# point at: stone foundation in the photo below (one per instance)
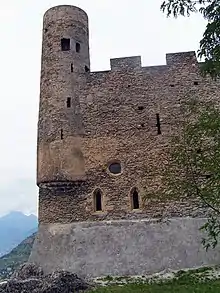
(119, 248)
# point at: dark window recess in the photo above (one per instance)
(86, 69)
(65, 44)
(140, 108)
(129, 85)
(78, 47)
(135, 199)
(171, 85)
(208, 176)
(71, 67)
(98, 200)
(68, 102)
(61, 134)
(115, 168)
(46, 30)
(158, 124)
(142, 125)
(199, 151)
(196, 82)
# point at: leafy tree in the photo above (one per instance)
(210, 43)
(194, 166)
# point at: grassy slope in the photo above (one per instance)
(194, 281)
(170, 287)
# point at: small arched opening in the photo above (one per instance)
(98, 200)
(135, 202)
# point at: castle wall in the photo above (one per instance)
(116, 129)
(88, 120)
(120, 248)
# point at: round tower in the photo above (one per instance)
(65, 61)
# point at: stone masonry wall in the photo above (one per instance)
(122, 248)
(118, 109)
(59, 127)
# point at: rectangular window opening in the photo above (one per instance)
(68, 102)
(78, 47)
(158, 124)
(98, 202)
(61, 134)
(71, 67)
(135, 200)
(65, 44)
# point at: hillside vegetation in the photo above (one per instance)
(18, 256)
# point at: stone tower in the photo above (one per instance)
(65, 55)
(102, 140)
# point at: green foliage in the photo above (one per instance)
(210, 43)
(180, 286)
(212, 229)
(19, 255)
(192, 168)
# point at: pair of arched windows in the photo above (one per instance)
(98, 199)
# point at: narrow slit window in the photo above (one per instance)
(65, 44)
(71, 67)
(98, 200)
(78, 47)
(158, 124)
(68, 102)
(135, 199)
(61, 133)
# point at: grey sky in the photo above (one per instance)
(117, 28)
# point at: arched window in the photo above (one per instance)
(135, 199)
(97, 200)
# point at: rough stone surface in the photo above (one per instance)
(120, 248)
(30, 278)
(27, 271)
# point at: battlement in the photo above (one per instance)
(133, 62)
(172, 59)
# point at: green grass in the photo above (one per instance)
(168, 287)
(193, 281)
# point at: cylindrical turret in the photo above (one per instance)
(65, 59)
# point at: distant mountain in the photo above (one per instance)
(19, 255)
(14, 228)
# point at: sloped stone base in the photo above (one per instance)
(119, 248)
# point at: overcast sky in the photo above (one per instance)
(117, 28)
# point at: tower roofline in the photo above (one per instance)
(60, 7)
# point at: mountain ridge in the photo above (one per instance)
(14, 228)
